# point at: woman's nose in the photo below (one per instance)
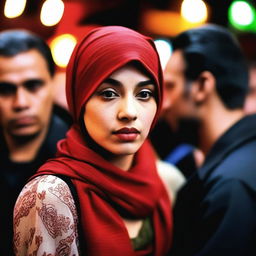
(127, 110)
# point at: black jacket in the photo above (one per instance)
(215, 212)
(13, 176)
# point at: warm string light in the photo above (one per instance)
(194, 11)
(14, 8)
(61, 48)
(51, 12)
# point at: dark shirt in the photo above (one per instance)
(215, 212)
(176, 148)
(13, 177)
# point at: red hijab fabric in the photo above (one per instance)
(102, 52)
(106, 192)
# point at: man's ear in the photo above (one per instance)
(203, 86)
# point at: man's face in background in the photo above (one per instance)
(26, 96)
(179, 109)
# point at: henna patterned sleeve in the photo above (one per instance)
(45, 219)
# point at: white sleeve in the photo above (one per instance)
(172, 178)
(45, 219)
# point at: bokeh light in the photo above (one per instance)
(61, 48)
(194, 11)
(51, 12)
(14, 8)
(164, 50)
(242, 15)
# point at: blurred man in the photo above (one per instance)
(206, 80)
(250, 102)
(29, 128)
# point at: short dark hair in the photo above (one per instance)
(15, 41)
(213, 48)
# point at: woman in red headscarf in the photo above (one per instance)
(102, 194)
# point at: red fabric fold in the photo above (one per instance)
(106, 193)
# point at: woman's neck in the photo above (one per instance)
(123, 162)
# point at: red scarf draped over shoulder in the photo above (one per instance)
(105, 192)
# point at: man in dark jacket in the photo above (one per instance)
(29, 125)
(207, 81)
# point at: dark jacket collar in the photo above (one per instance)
(240, 133)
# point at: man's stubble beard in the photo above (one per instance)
(21, 139)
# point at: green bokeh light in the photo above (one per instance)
(242, 16)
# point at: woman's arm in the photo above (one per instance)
(45, 219)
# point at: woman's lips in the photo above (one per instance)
(127, 134)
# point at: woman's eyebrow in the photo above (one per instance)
(112, 82)
(146, 82)
(117, 83)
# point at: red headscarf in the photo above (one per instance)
(105, 192)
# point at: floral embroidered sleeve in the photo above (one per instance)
(45, 219)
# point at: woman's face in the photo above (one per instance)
(118, 116)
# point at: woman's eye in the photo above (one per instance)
(108, 94)
(145, 94)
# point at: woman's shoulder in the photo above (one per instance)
(45, 210)
(49, 190)
(53, 186)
